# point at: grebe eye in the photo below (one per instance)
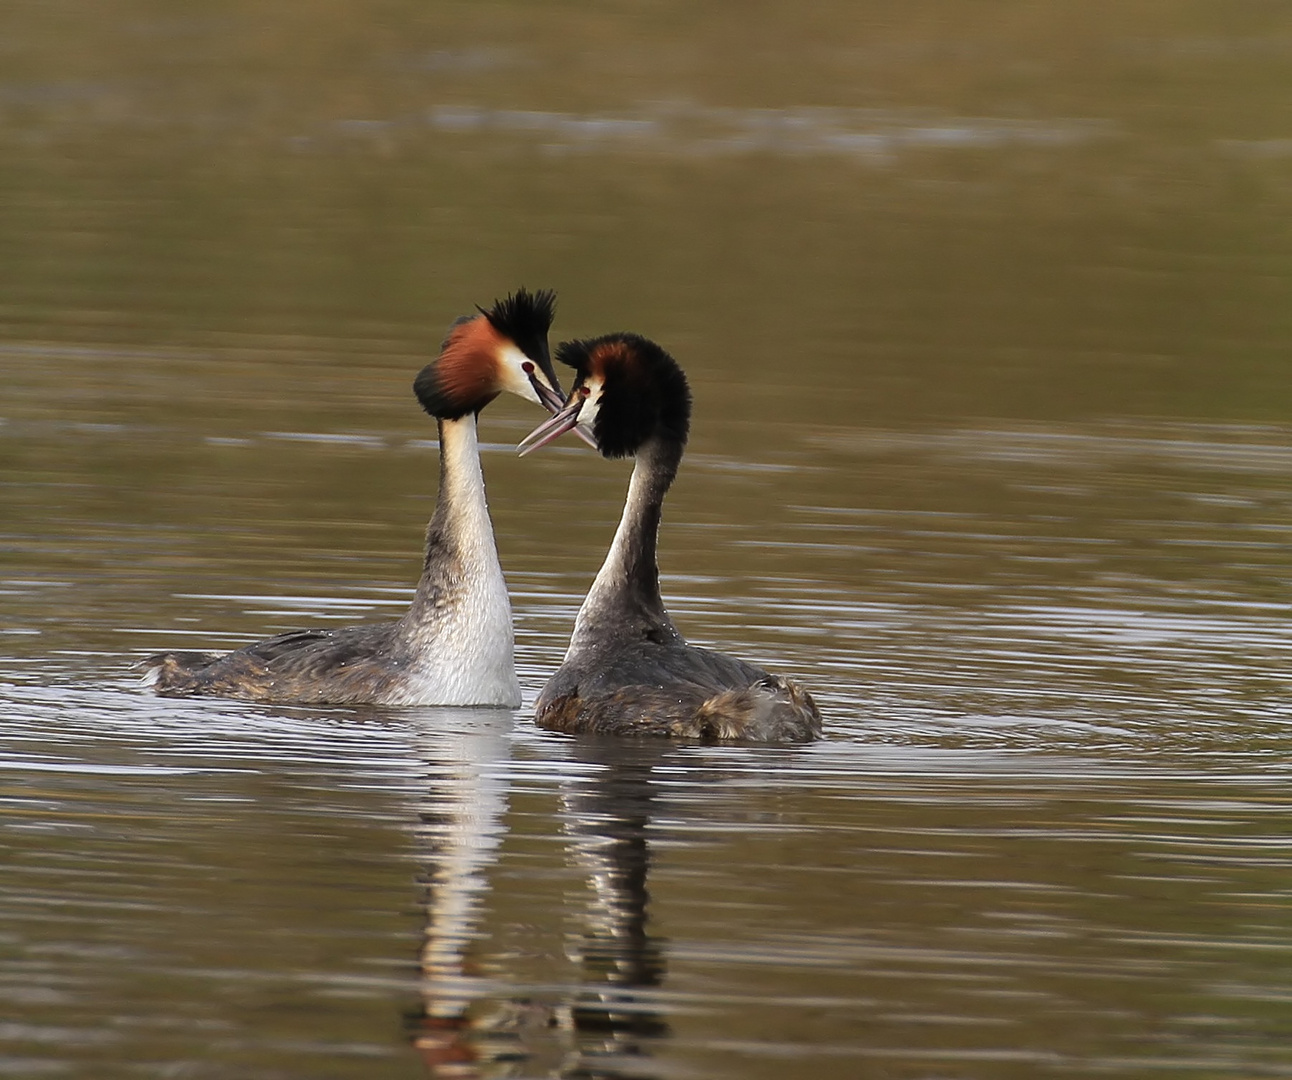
(527, 368)
(584, 391)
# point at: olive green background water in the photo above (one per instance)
(986, 308)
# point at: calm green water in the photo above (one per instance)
(987, 312)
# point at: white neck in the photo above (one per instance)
(611, 579)
(625, 598)
(462, 490)
(459, 625)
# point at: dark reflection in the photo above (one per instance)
(601, 1025)
(607, 819)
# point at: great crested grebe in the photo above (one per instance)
(627, 670)
(454, 645)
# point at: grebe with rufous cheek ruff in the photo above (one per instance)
(454, 645)
(627, 670)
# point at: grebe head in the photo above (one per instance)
(502, 348)
(627, 390)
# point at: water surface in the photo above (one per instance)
(986, 320)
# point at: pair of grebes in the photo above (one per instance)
(627, 670)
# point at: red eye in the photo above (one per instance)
(584, 391)
(527, 368)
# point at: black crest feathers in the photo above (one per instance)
(525, 317)
(645, 392)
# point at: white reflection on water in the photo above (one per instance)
(1255, 448)
(677, 128)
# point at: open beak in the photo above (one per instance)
(563, 419)
(551, 399)
(554, 403)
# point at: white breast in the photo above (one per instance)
(464, 653)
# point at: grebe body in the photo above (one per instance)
(628, 671)
(454, 645)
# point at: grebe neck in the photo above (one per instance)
(462, 509)
(624, 601)
(459, 537)
(457, 635)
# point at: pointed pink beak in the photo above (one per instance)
(563, 420)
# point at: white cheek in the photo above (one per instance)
(512, 362)
(591, 403)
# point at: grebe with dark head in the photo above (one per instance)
(454, 645)
(627, 670)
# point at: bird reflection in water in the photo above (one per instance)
(461, 829)
(471, 1027)
(607, 820)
